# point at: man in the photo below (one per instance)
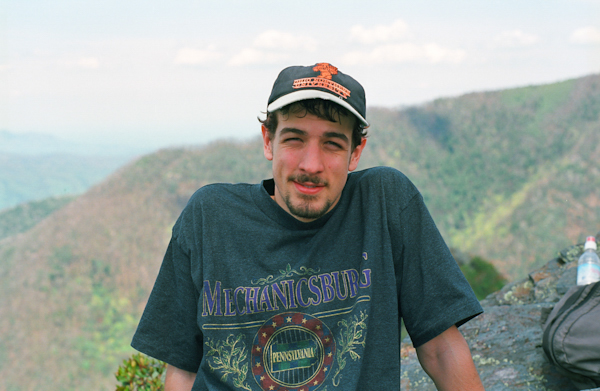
(299, 283)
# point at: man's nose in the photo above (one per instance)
(312, 159)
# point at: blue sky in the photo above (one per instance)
(156, 73)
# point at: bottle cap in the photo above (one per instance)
(590, 242)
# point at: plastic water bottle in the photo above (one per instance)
(588, 267)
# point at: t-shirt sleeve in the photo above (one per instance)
(433, 293)
(168, 329)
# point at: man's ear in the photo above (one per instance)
(267, 143)
(355, 157)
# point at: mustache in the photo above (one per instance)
(303, 178)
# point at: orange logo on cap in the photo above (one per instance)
(327, 70)
(323, 80)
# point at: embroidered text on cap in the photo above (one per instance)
(323, 80)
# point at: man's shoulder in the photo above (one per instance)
(217, 203)
(383, 187)
(380, 172)
(221, 192)
(386, 179)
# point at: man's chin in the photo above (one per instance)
(308, 212)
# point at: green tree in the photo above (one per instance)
(483, 277)
(141, 373)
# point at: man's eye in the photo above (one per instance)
(334, 145)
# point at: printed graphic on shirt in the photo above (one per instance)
(277, 293)
(229, 358)
(292, 351)
(286, 273)
(352, 335)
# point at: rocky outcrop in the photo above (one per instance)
(506, 340)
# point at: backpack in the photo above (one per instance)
(571, 338)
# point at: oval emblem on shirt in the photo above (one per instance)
(292, 351)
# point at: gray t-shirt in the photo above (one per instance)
(251, 298)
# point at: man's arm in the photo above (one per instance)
(447, 360)
(178, 380)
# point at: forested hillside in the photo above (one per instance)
(21, 218)
(74, 285)
(509, 175)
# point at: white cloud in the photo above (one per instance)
(279, 40)
(515, 38)
(380, 34)
(251, 56)
(87, 63)
(389, 44)
(586, 35)
(191, 56)
(406, 53)
(273, 46)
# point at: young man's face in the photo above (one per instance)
(311, 158)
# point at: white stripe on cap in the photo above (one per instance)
(313, 94)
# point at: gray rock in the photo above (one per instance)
(506, 340)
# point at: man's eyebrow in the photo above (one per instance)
(301, 132)
(293, 130)
(339, 135)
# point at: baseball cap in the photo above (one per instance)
(319, 81)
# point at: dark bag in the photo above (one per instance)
(571, 338)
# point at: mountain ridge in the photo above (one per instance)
(495, 169)
(25, 178)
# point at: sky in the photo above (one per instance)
(158, 73)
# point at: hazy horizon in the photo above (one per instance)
(153, 74)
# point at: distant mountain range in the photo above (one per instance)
(36, 144)
(36, 166)
(508, 175)
(25, 178)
